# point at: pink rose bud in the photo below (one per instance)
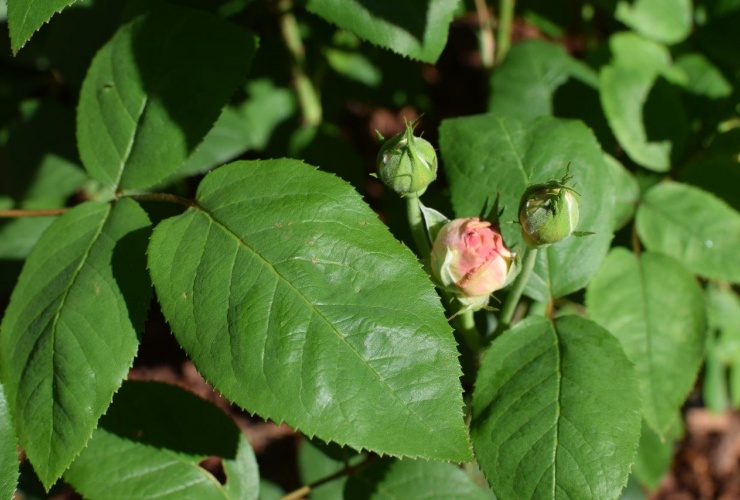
(470, 259)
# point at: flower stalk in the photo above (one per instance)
(517, 288)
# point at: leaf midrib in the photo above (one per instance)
(556, 423)
(53, 323)
(312, 307)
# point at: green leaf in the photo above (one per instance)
(434, 221)
(413, 479)
(626, 192)
(694, 227)
(354, 66)
(667, 21)
(241, 127)
(655, 454)
(555, 411)
(643, 110)
(414, 29)
(8, 452)
(69, 335)
(486, 154)
(524, 86)
(150, 443)
(655, 308)
(704, 78)
(25, 17)
(145, 105)
(283, 277)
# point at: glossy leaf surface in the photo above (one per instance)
(655, 308)
(485, 154)
(150, 444)
(295, 302)
(70, 332)
(555, 411)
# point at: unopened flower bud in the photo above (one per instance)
(407, 164)
(469, 258)
(548, 213)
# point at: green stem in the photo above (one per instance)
(505, 21)
(465, 325)
(308, 96)
(512, 300)
(418, 228)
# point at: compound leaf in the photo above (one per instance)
(297, 304)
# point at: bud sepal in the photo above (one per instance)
(406, 163)
(549, 212)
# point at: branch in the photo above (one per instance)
(167, 197)
(17, 213)
(305, 490)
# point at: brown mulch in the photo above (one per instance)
(707, 463)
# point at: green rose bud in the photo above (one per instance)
(548, 212)
(407, 164)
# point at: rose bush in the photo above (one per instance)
(469, 258)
